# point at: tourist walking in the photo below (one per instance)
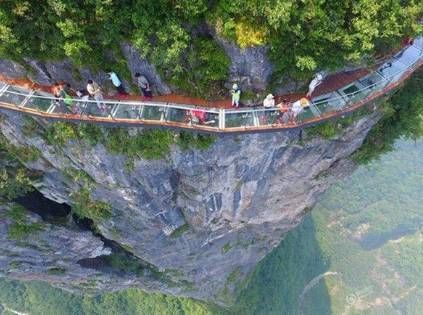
(95, 91)
(236, 95)
(318, 79)
(143, 85)
(67, 99)
(117, 83)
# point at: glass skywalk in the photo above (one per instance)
(188, 116)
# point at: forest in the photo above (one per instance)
(178, 36)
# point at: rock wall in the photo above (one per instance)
(48, 72)
(202, 218)
(250, 67)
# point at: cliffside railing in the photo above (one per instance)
(246, 120)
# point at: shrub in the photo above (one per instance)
(187, 140)
(84, 207)
(59, 133)
(14, 183)
(20, 227)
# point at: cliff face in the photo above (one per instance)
(202, 218)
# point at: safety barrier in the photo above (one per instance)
(188, 116)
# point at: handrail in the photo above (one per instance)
(174, 115)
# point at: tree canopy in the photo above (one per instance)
(302, 35)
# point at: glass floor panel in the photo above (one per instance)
(212, 120)
(128, 111)
(418, 42)
(305, 114)
(233, 119)
(354, 92)
(15, 99)
(268, 117)
(409, 56)
(392, 70)
(373, 81)
(153, 112)
(329, 102)
(178, 115)
(41, 104)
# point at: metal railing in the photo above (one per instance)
(188, 116)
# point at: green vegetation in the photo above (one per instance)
(332, 128)
(59, 133)
(56, 271)
(307, 35)
(39, 298)
(20, 227)
(403, 117)
(14, 183)
(226, 248)
(15, 180)
(180, 230)
(147, 143)
(21, 153)
(84, 207)
(30, 127)
(302, 35)
(78, 176)
(188, 140)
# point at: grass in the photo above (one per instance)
(180, 230)
(226, 248)
(150, 144)
(20, 227)
(84, 207)
(56, 271)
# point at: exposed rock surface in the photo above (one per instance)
(250, 67)
(11, 69)
(238, 199)
(48, 72)
(138, 64)
(46, 252)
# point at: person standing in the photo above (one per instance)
(67, 99)
(144, 85)
(269, 101)
(117, 83)
(95, 91)
(236, 95)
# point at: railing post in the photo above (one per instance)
(163, 117)
(256, 120)
(3, 89)
(26, 99)
(222, 115)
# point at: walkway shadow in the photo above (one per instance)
(277, 283)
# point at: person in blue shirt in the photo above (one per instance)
(117, 83)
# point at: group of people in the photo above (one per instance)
(286, 108)
(65, 98)
(64, 93)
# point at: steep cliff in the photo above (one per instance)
(199, 220)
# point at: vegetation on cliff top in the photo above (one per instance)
(302, 35)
